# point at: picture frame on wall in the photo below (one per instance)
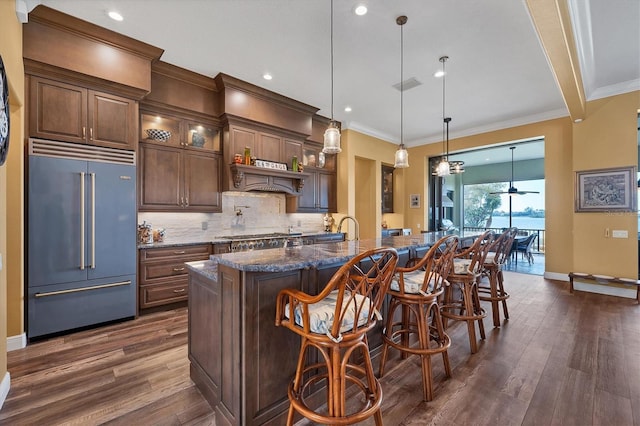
(414, 201)
(606, 190)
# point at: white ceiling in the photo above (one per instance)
(497, 75)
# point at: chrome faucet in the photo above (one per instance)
(355, 221)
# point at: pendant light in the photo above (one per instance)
(402, 156)
(446, 167)
(332, 134)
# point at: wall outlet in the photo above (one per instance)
(205, 226)
(418, 225)
(618, 233)
(0, 261)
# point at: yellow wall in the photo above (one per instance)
(361, 161)
(574, 241)
(607, 138)
(11, 184)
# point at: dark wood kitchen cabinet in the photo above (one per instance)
(263, 145)
(180, 173)
(67, 112)
(319, 194)
(163, 276)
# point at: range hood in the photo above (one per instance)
(253, 178)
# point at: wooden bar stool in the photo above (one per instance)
(415, 290)
(336, 322)
(496, 258)
(467, 267)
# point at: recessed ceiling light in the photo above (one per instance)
(115, 16)
(438, 74)
(347, 109)
(267, 76)
(361, 10)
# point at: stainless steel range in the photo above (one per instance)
(263, 241)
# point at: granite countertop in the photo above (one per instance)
(291, 258)
(216, 240)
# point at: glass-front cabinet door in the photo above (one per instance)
(314, 157)
(178, 132)
(161, 129)
(202, 136)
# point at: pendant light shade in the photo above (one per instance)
(446, 167)
(402, 156)
(332, 134)
(332, 139)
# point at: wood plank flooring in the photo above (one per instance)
(561, 359)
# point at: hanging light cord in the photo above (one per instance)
(331, 60)
(401, 85)
(445, 145)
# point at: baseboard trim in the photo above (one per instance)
(16, 342)
(4, 388)
(556, 276)
(628, 292)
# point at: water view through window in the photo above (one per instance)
(482, 209)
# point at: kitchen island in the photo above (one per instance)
(241, 362)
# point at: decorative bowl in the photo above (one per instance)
(197, 140)
(158, 134)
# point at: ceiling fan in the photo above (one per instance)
(512, 189)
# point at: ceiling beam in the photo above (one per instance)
(552, 22)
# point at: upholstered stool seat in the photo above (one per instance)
(467, 267)
(335, 323)
(415, 290)
(494, 291)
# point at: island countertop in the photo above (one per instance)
(316, 255)
(241, 362)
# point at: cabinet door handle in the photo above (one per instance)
(186, 201)
(84, 132)
(91, 133)
(81, 220)
(178, 269)
(179, 252)
(179, 290)
(181, 201)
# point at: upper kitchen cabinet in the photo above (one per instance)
(178, 132)
(263, 145)
(84, 81)
(319, 194)
(67, 112)
(179, 165)
(272, 126)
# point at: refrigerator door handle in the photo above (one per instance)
(93, 221)
(81, 220)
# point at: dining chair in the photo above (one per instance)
(335, 322)
(415, 290)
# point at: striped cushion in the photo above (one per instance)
(461, 266)
(412, 282)
(321, 314)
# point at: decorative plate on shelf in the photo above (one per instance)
(4, 114)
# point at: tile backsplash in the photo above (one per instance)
(242, 213)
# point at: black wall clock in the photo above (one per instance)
(4, 114)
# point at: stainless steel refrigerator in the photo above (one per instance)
(81, 236)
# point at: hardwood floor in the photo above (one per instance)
(560, 359)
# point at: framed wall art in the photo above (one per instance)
(605, 190)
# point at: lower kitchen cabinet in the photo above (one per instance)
(163, 275)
